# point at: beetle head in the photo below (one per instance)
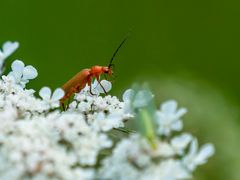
(108, 70)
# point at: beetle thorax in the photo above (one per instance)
(96, 70)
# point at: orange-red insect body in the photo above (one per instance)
(84, 77)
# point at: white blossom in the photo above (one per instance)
(136, 157)
(97, 89)
(106, 85)
(197, 157)
(136, 100)
(39, 141)
(128, 95)
(168, 118)
(179, 143)
(22, 99)
(21, 73)
(51, 99)
(7, 49)
(142, 98)
(167, 170)
(107, 122)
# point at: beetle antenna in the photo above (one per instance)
(114, 54)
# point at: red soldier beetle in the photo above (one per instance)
(85, 77)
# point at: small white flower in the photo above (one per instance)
(73, 105)
(52, 100)
(127, 99)
(168, 118)
(128, 95)
(100, 103)
(21, 73)
(142, 99)
(84, 174)
(134, 100)
(88, 147)
(84, 106)
(179, 143)
(164, 150)
(197, 157)
(7, 49)
(106, 123)
(106, 85)
(97, 88)
(167, 170)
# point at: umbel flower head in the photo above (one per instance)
(150, 155)
(39, 141)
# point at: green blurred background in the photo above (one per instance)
(187, 50)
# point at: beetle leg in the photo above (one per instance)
(91, 91)
(102, 87)
(68, 102)
(98, 79)
(90, 85)
(63, 106)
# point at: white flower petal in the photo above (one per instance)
(100, 116)
(1, 57)
(54, 104)
(169, 106)
(45, 93)
(128, 95)
(106, 85)
(181, 142)
(16, 76)
(193, 147)
(205, 152)
(9, 48)
(165, 150)
(177, 126)
(73, 105)
(18, 66)
(23, 83)
(57, 94)
(29, 72)
(181, 112)
(142, 99)
(94, 84)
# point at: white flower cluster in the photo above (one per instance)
(39, 141)
(172, 157)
